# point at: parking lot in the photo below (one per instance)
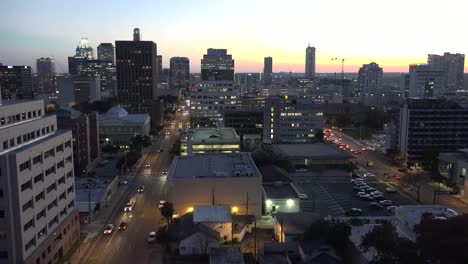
(333, 195)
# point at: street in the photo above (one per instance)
(131, 245)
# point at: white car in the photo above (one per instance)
(368, 174)
(390, 190)
(386, 202)
(152, 237)
(109, 229)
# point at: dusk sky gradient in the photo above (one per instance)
(392, 33)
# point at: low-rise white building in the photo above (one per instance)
(216, 217)
(209, 140)
(117, 126)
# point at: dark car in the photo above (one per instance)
(354, 212)
(123, 226)
(375, 205)
(141, 189)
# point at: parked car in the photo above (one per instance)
(368, 174)
(386, 202)
(378, 197)
(108, 230)
(122, 182)
(367, 198)
(391, 209)
(354, 212)
(376, 205)
(390, 190)
(151, 237)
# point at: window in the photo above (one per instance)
(39, 112)
(2, 213)
(52, 222)
(70, 189)
(41, 214)
(71, 204)
(52, 205)
(60, 164)
(49, 153)
(50, 171)
(53, 186)
(29, 114)
(12, 142)
(62, 196)
(5, 144)
(63, 212)
(38, 178)
(42, 232)
(61, 180)
(18, 140)
(40, 196)
(25, 165)
(31, 243)
(3, 254)
(52, 128)
(27, 205)
(23, 116)
(68, 144)
(69, 159)
(59, 148)
(28, 225)
(69, 174)
(2, 121)
(26, 185)
(37, 159)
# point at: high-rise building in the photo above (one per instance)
(85, 136)
(160, 68)
(105, 52)
(84, 50)
(426, 81)
(179, 74)
(40, 221)
(16, 82)
(136, 34)
(105, 71)
(137, 76)
(267, 70)
(216, 91)
(370, 84)
(310, 62)
(291, 120)
(248, 83)
(45, 66)
(74, 89)
(431, 125)
(217, 65)
(453, 66)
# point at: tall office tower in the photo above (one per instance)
(40, 221)
(291, 120)
(404, 85)
(267, 70)
(248, 83)
(431, 124)
(216, 91)
(16, 82)
(370, 84)
(160, 68)
(136, 34)
(453, 66)
(426, 81)
(105, 52)
(45, 66)
(137, 77)
(45, 81)
(179, 73)
(310, 62)
(84, 50)
(73, 89)
(103, 70)
(217, 65)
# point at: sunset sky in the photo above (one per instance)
(393, 33)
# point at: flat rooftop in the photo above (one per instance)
(90, 191)
(279, 191)
(214, 135)
(212, 214)
(312, 151)
(213, 165)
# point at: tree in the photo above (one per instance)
(443, 241)
(390, 247)
(110, 149)
(334, 232)
(167, 210)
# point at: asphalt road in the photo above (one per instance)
(130, 246)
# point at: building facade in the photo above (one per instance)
(429, 126)
(267, 70)
(453, 66)
(215, 179)
(104, 70)
(370, 84)
(78, 89)
(137, 77)
(16, 82)
(179, 74)
(45, 81)
(209, 140)
(105, 52)
(39, 222)
(426, 81)
(291, 120)
(310, 62)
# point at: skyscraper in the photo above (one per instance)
(45, 81)
(426, 81)
(136, 34)
(453, 67)
(16, 82)
(40, 220)
(179, 74)
(105, 52)
(370, 83)
(84, 49)
(310, 62)
(160, 69)
(217, 65)
(45, 66)
(137, 76)
(267, 70)
(216, 91)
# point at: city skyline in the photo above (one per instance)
(355, 31)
